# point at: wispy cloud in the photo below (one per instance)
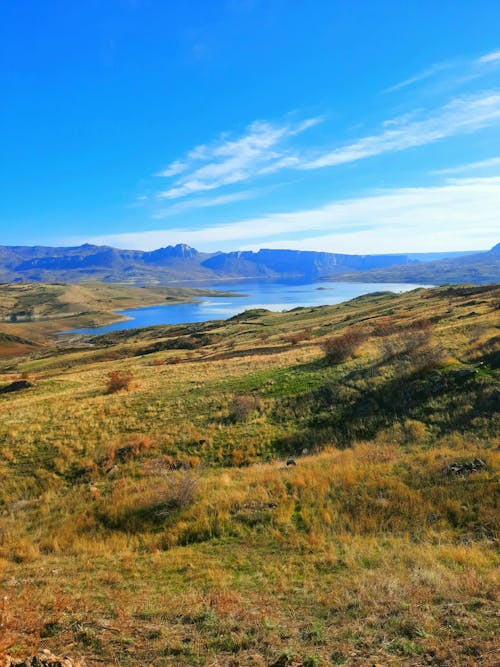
(462, 115)
(265, 148)
(455, 216)
(490, 163)
(262, 149)
(461, 70)
(205, 202)
(176, 167)
(493, 57)
(429, 72)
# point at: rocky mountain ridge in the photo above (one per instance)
(184, 263)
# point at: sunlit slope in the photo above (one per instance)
(148, 515)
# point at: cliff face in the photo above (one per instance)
(296, 263)
(183, 263)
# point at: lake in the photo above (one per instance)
(270, 295)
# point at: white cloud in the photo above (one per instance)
(174, 168)
(490, 163)
(459, 215)
(469, 69)
(262, 149)
(427, 73)
(462, 115)
(493, 57)
(205, 202)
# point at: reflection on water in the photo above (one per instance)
(272, 296)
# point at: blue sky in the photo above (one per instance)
(347, 126)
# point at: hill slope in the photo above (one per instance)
(159, 524)
(479, 269)
(37, 310)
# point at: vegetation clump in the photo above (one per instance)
(341, 347)
(242, 406)
(118, 381)
(413, 349)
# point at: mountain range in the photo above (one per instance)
(478, 268)
(181, 263)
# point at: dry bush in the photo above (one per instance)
(341, 347)
(181, 491)
(118, 380)
(428, 358)
(296, 338)
(413, 349)
(174, 360)
(141, 505)
(132, 447)
(384, 326)
(22, 550)
(242, 406)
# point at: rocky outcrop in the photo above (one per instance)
(18, 385)
(42, 659)
(464, 469)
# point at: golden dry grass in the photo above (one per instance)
(153, 526)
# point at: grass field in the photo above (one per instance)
(148, 516)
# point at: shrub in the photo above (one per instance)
(118, 380)
(296, 338)
(181, 491)
(242, 406)
(428, 358)
(132, 447)
(341, 347)
(413, 349)
(384, 326)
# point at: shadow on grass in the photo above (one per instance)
(339, 412)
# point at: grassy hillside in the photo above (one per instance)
(147, 514)
(34, 311)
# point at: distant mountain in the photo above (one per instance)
(181, 263)
(76, 264)
(480, 269)
(295, 263)
(173, 263)
(431, 256)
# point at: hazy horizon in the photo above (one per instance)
(237, 249)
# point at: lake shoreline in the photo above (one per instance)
(221, 305)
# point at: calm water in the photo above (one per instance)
(273, 296)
